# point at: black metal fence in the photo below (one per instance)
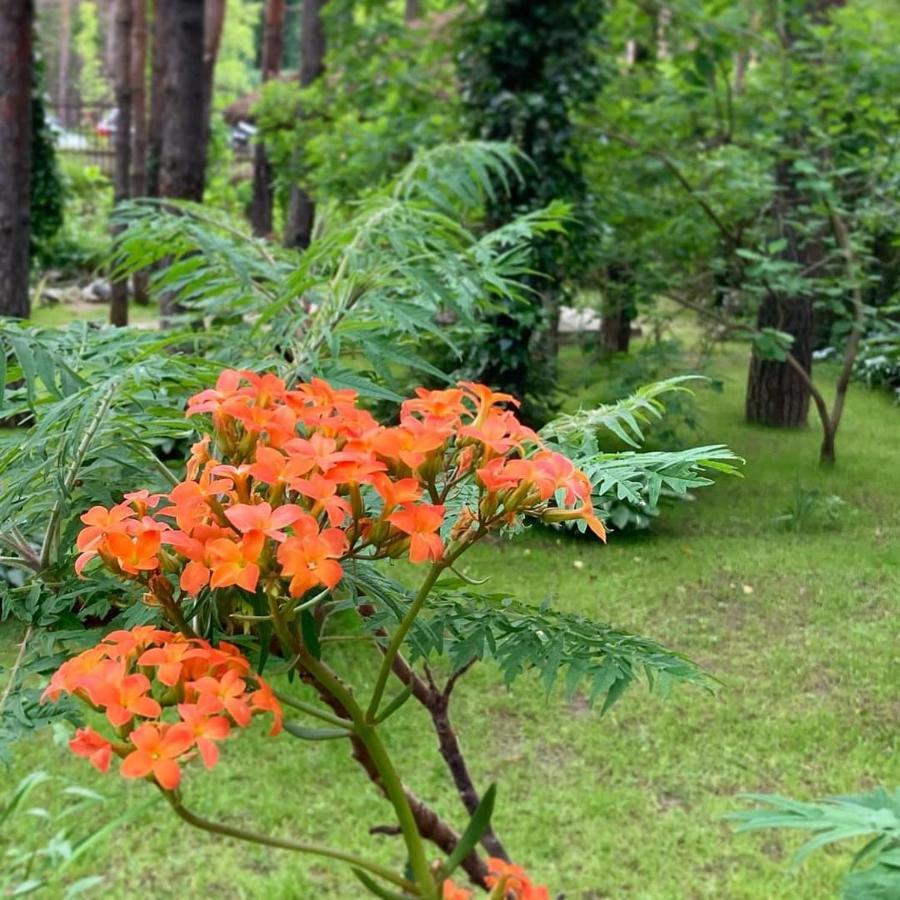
(85, 132)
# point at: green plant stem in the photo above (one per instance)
(393, 649)
(311, 710)
(390, 779)
(254, 837)
(14, 671)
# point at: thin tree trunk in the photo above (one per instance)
(118, 310)
(615, 325)
(300, 218)
(16, 72)
(139, 124)
(273, 49)
(213, 22)
(157, 94)
(63, 88)
(412, 11)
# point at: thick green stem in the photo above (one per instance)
(393, 649)
(254, 837)
(390, 779)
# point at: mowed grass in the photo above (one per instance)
(800, 627)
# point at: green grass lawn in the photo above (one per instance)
(800, 627)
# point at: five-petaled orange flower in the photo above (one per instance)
(420, 523)
(157, 747)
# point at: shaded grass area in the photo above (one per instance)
(801, 628)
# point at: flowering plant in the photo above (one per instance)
(291, 494)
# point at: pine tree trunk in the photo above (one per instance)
(301, 211)
(273, 49)
(16, 68)
(157, 96)
(118, 310)
(183, 157)
(140, 279)
(213, 23)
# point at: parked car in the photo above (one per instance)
(63, 138)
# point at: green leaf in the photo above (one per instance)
(314, 734)
(475, 830)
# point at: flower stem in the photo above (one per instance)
(254, 837)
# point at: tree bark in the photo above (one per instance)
(139, 124)
(777, 392)
(16, 69)
(118, 309)
(273, 49)
(157, 94)
(63, 88)
(412, 11)
(615, 327)
(183, 156)
(213, 22)
(301, 207)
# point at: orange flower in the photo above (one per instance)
(169, 660)
(264, 700)
(124, 697)
(406, 490)
(136, 552)
(420, 523)
(261, 518)
(312, 560)
(515, 882)
(227, 692)
(190, 498)
(446, 405)
(307, 455)
(93, 746)
(205, 728)
(236, 563)
(324, 492)
(157, 747)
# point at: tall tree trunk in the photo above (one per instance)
(412, 11)
(213, 22)
(118, 310)
(64, 80)
(272, 51)
(301, 212)
(183, 158)
(16, 70)
(139, 123)
(157, 96)
(777, 394)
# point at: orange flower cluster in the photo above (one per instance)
(295, 482)
(134, 676)
(505, 880)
